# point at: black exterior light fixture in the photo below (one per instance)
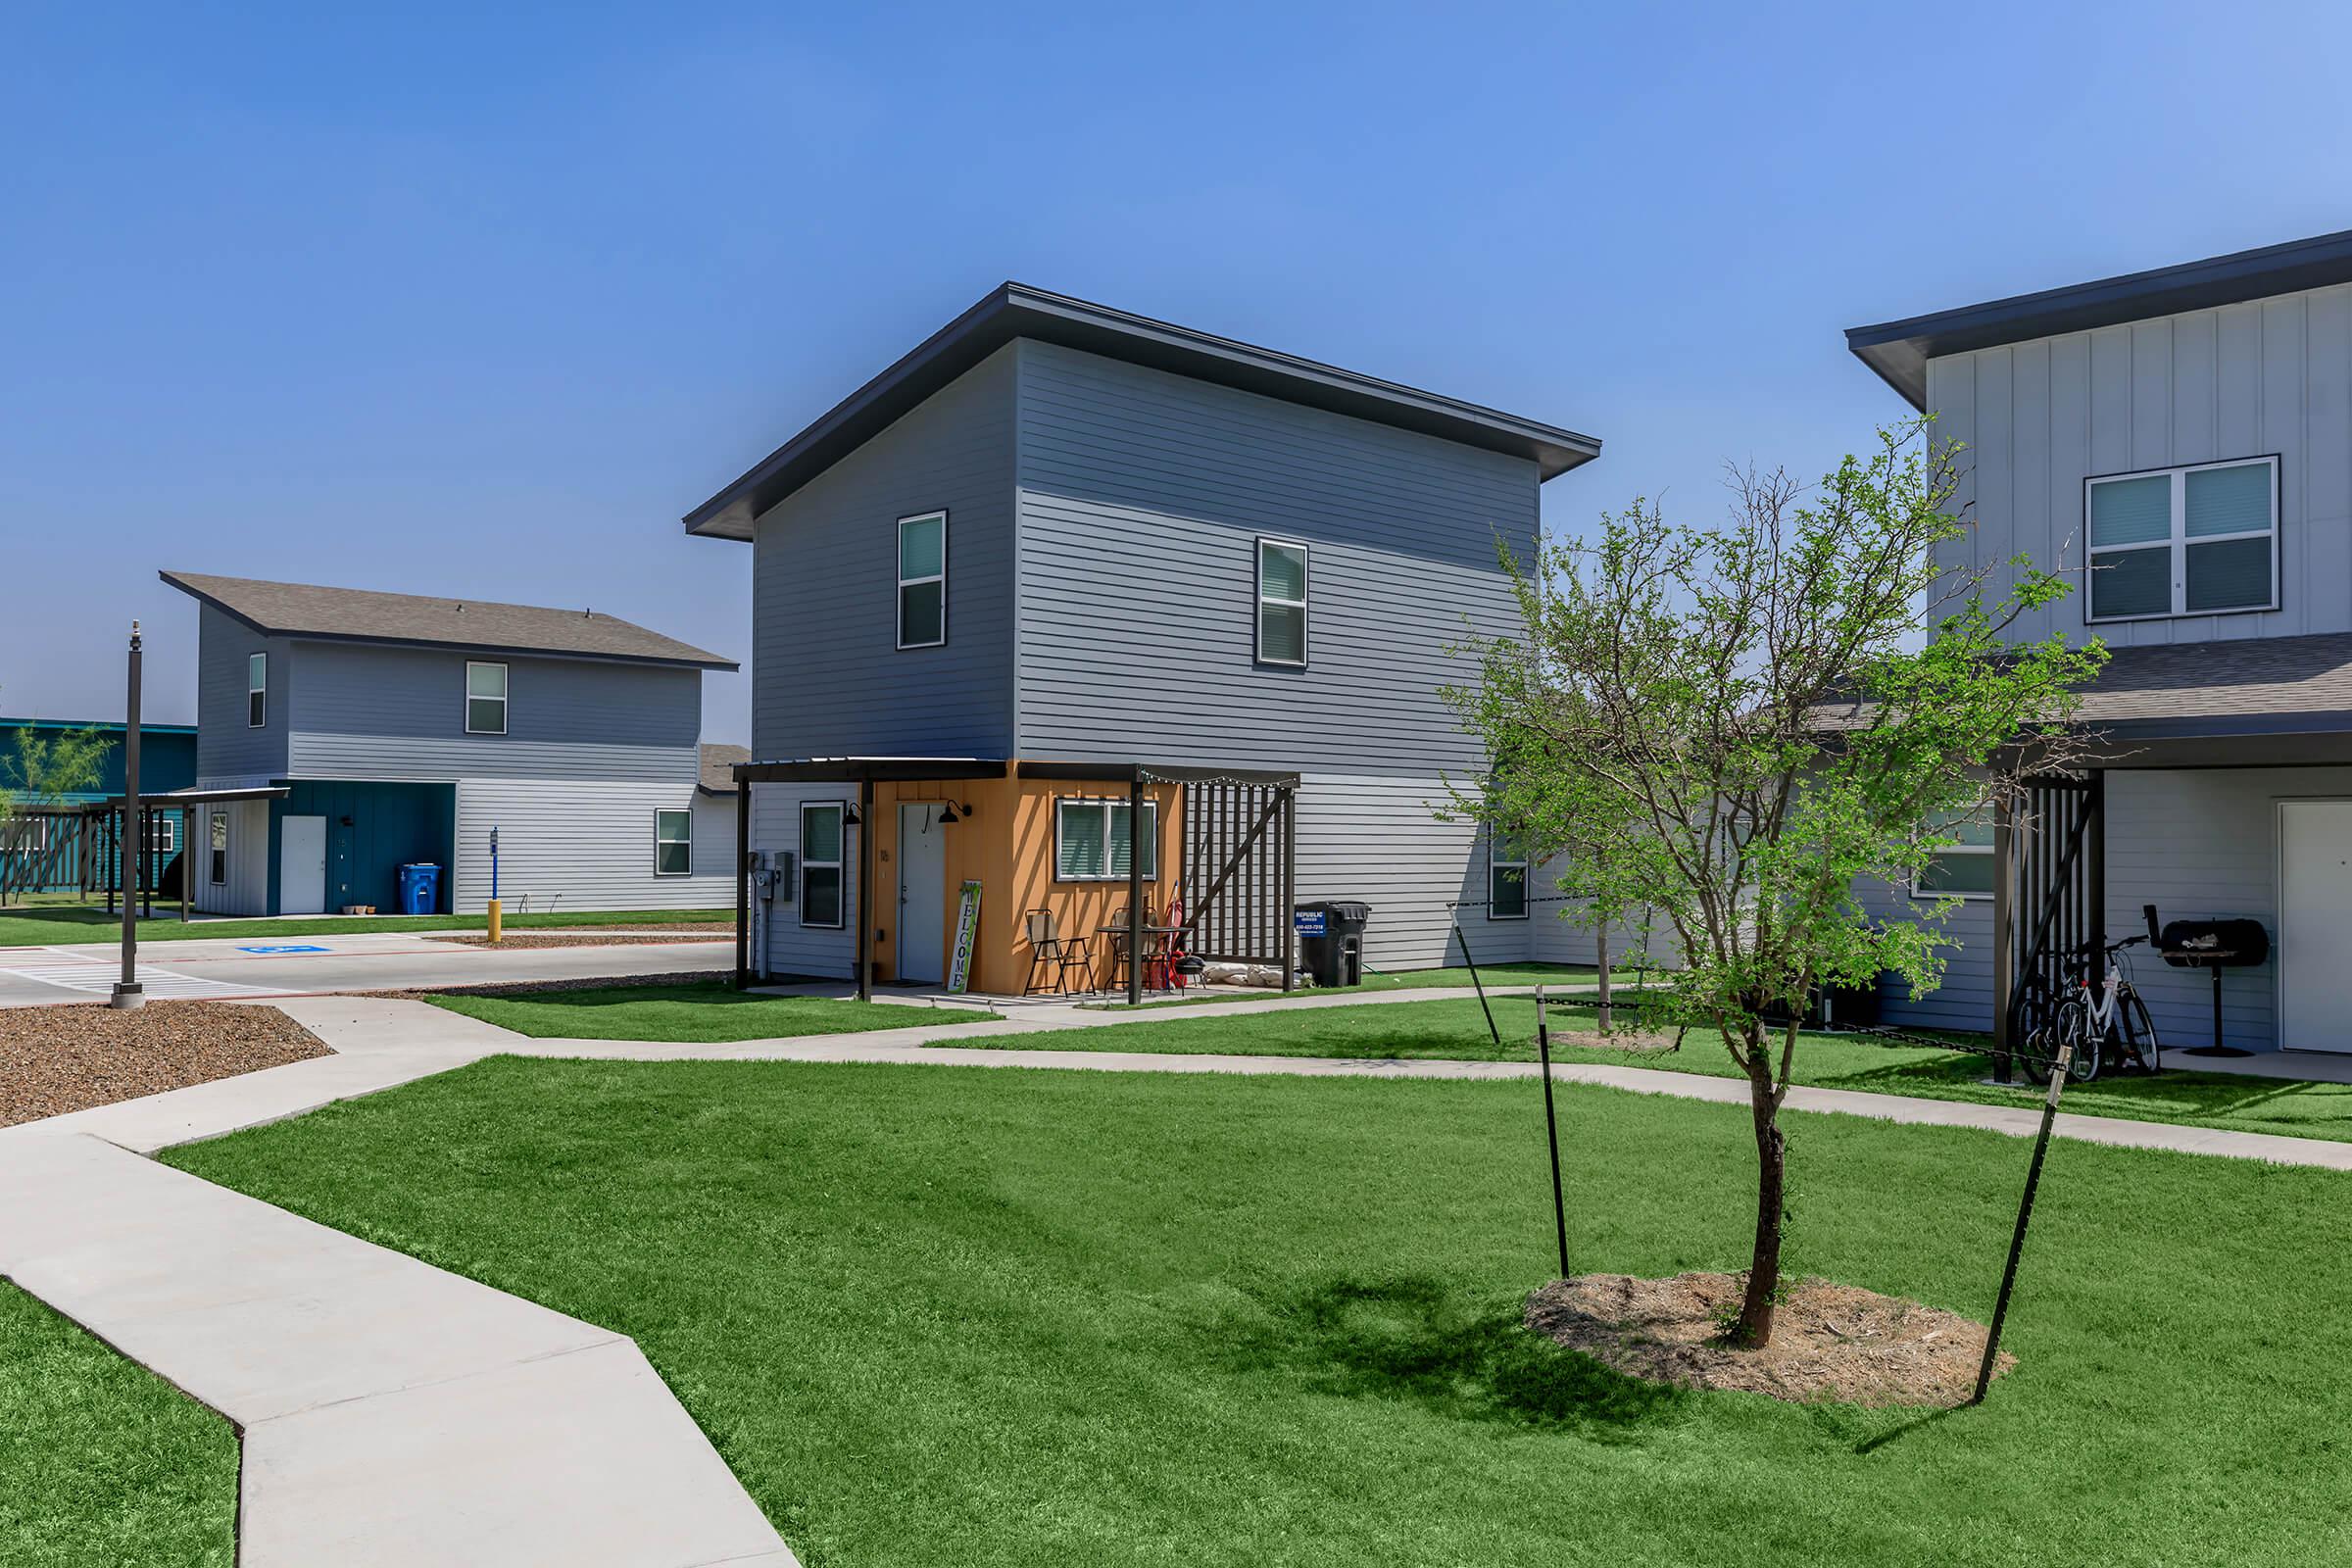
(953, 813)
(848, 816)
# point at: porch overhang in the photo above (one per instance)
(195, 797)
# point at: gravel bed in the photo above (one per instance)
(59, 1058)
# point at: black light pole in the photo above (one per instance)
(127, 989)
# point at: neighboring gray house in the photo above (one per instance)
(2183, 439)
(402, 729)
(1080, 556)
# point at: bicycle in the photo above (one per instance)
(2113, 1015)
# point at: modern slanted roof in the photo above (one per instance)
(1900, 350)
(718, 768)
(362, 614)
(2241, 686)
(1017, 310)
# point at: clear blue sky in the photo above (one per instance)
(477, 301)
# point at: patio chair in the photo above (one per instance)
(1053, 956)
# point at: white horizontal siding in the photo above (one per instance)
(578, 844)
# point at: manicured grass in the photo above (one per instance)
(1458, 1029)
(937, 1315)
(38, 926)
(702, 1010)
(100, 1461)
(1500, 976)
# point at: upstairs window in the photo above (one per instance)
(1093, 840)
(1963, 868)
(924, 580)
(820, 862)
(2199, 540)
(1506, 878)
(1281, 603)
(485, 698)
(257, 691)
(674, 844)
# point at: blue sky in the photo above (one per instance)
(442, 301)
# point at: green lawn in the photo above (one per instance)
(101, 1462)
(706, 1011)
(1500, 976)
(936, 1315)
(37, 925)
(1458, 1029)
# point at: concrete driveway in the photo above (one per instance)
(261, 966)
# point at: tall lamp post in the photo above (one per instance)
(127, 992)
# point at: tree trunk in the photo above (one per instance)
(1601, 947)
(1754, 1331)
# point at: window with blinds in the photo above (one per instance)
(2197, 540)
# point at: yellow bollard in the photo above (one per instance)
(495, 912)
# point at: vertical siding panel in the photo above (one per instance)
(1995, 447)
(1952, 399)
(2282, 357)
(2238, 381)
(2324, 582)
(2030, 531)
(2070, 462)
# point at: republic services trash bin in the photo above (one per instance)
(1331, 939)
(419, 889)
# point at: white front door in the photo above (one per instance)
(923, 895)
(2315, 925)
(302, 865)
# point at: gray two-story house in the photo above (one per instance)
(2182, 441)
(1061, 566)
(376, 730)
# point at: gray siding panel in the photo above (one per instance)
(827, 676)
(1375, 837)
(578, 844)
(226, 747)
(246, 889)
(2238, 382)
(1141, 495)
(792, 948)
(367, 711)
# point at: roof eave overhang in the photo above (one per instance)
(1900, 350)
(1016, 310)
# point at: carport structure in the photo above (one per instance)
(1034, 834)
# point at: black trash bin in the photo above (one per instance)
(1331, 939)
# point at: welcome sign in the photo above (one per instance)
(967, 922)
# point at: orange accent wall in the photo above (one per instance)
(1006, 845)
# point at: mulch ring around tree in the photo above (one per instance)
(70, 1058)
(1831, 1343)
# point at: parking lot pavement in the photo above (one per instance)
(382, 961)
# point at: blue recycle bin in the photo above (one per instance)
(419, 889)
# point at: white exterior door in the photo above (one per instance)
(923, 895)
(2315, 925)
(302, 865)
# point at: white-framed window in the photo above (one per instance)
(2197, 540)
(218, 829)
(1506, 877)
(256, 690)
(1281, 603)
(673, 842)
(924, 580)
(163, 834)
(1963, 868)
(1092, 840)
(485, 698)
(822, 862)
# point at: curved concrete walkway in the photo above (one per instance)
(394, 1413)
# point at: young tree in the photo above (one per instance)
(1734, 726)
(44, 770)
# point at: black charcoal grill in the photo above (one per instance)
(2211, 946)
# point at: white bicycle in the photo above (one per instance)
(2110, 1022)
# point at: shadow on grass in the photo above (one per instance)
(1416, 1338)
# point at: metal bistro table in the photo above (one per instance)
(1157, 942)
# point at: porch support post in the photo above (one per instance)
(1135, 887)
(743, 885)
(865, 887)
(2095, 828)
(2004, 934)
(1289, 887)
(188, 853)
